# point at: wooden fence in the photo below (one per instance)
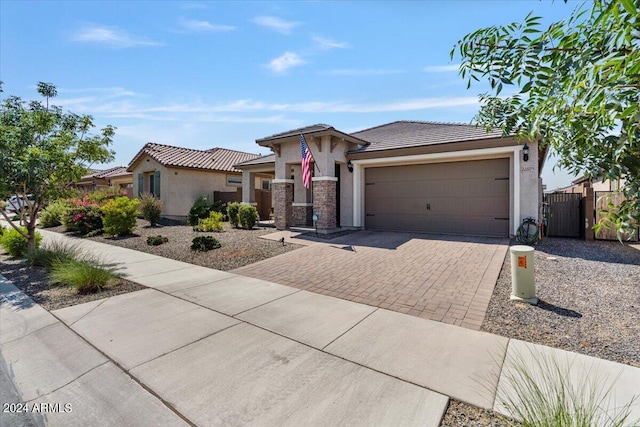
(564, 214)
(603, 200)
(262, 198)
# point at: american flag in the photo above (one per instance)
(307, 158)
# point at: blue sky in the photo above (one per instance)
(223, 74)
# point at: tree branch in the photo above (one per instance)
(545, 49)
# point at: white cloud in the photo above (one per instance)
(441, 68)
(329, 44)
(122, 103)
(89, 96)
(321, 107)
(360, 72)
(276, 24)
(111, 36)
(285, 61)
(127, 108)
(111, 92)
(204, 26)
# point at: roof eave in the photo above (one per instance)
(270, 141)
(359, 151)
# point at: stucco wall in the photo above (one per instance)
(346, 196)
(529, 184)
(115, 182)
(179, 188)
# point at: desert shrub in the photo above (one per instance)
(204, 244)
(199, 210)
(248, 216)
(51, 253)
(232, 212)
(213, 223)
(86, 276)
(15, 244)
(221, 207)
(120, 216)
(16, 218)
(150, 207)
(156, 240)
(51, 216)
(104, 195)
(82, 216)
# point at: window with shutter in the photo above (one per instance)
(140, 184)
(156, 187)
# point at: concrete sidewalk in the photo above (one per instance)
(205, 347)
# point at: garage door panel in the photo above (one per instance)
(437, 224)
(395, 222)
(473, 170)
(404, 205)
(460, 197)
(435, 188)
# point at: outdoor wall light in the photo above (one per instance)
(525, 153)
(350, 166)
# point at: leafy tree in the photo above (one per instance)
(574, 84)
(44, 150)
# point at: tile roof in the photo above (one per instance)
(403, 134)
(307, 129)
(110, 173)
(270, 158)
(218, 159)
(104, 173)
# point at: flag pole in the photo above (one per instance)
(315, 165)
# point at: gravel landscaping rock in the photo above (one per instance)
(239, 247)
(34, 282)
(589, 295)
(462, 414)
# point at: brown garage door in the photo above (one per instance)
(469, 197)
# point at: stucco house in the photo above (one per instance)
(599, 184)
(178, 175)
(117, 177)
(405, 176)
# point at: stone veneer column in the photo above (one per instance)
(324, 201)
(283, 200)
(302, 213)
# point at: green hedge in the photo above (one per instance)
(248, 216)
(232, 212)
(120, 216)
(15, 243)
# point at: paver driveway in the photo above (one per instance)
(443, 278)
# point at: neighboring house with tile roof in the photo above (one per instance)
(179, 175)
(117, 177)
(406, 175)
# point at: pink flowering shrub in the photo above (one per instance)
(85, 215)
(82, 216)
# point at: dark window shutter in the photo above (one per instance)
(140, 184)
(156, 184)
